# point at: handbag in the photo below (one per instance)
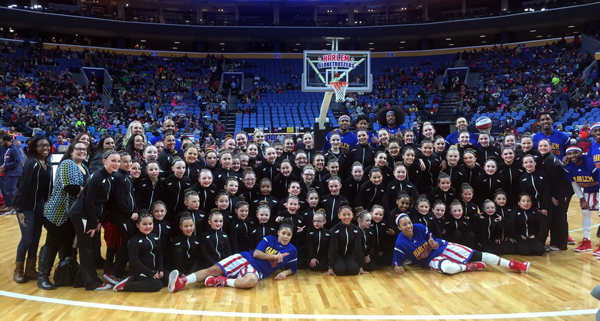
(65, 273)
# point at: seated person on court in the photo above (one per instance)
(244, 270)
(418, 245)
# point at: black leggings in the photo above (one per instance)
(505, 247)
(127, 230)
(385, 259)
(58, 238)
(181, 262)
(467, 238)
(143, 284)
(322, 266)
(346, 265)
(86, 275)
(559, 224)
(529, 247)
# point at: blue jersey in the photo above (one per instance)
(558, 142)
(594, 153)
(417, 249)
(348, 141)
(393, 131)
(585, 175)
(271, 245)
(452, 139)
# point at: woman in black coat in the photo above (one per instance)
(33, 190)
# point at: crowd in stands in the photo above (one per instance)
(328, 20)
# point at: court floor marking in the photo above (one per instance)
(581, 229)
(297, 316)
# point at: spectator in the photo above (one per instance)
(12, 169)
(60, 141)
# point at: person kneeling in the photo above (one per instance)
(244, 270)
(418, 245)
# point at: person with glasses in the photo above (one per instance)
(33, 190)
(71, 176)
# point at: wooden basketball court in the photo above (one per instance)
(556, 288)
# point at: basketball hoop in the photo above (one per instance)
(339, 88)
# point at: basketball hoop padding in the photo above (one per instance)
(339, 87)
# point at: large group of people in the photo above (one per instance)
(177, 212)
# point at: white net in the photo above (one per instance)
(339, 88)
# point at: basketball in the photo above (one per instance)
(483, 123)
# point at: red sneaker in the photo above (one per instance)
(519, 266)
(475, 266)
(597, 250)
(121, 285)
(585, 245)
(571, 241)
(175, 282)
(215, 281)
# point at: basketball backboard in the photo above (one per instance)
(322, 67)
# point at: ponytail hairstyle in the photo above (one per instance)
(456, 203)
(422, 198)
(312, 190)
(359, 164)
(500, 191)
(344, 205)
(241, 202)
(143, 214)
(466, 187)
(158, 203)
(360, 213)
(441, 176)
(332, 159)
(186, 216)
(248, 171)
(438, 202)
(334, 178)
(322, 213)
(308, 167)
(188, 193)
(177, 159)
(375, 170)
(213, 212)
(263, 205)
(287, 223)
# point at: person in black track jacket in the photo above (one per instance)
(458, 228)
(560, 195)
(352, 184)
(145, 260)
(215, 244)
(123, 212)
(332, 202)
(527, 227)
(186, 248)
(512, 171)
(363, 218)
(207, 191)
(318, 238)
(87, 215)
(263, 227)
(371, 192)
(240, 227)
(536, 184)
(345, 249)
(443, 192)
(149, 188)
(173, 189)
(361, 152)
